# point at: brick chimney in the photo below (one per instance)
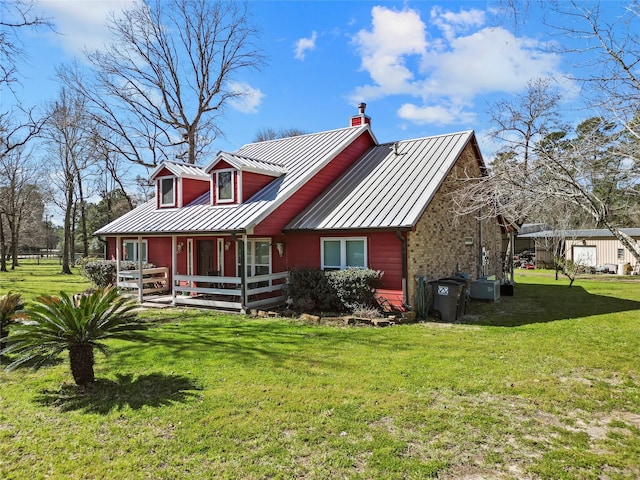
(361, 118)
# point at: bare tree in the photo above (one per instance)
(18, 125)
(590, 169)
(526, 119)
(166, 78)
(269, 133)
(15, 15)
(71, 152)
(609, 50)
(19, 197)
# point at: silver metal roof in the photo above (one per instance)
(389, 187)
(302, 157)
(182, 170)
(249, 164)
(584, 233)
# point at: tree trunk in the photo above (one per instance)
(14, 244)
(83, 218)
(81, 361)
(67, 231)
(3, 248)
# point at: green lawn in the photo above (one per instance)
(34, 278)
(544, 384)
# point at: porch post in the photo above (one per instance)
(140, 284)
(512, 254)
(242, 246)
(174, 262)
(118, 255)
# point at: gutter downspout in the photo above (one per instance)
(403, 249)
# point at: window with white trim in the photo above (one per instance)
(167, 190)
(131, 251)
(258, 260)
(224, 186)
(339, 253)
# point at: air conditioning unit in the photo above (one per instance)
(485, 289)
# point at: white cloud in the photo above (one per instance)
(435, 114)
(249, 100)
(489, 60)
(305, 44)
(82, 24)
(395, 35)
(446, 71)
(453, 23)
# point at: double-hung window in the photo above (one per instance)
(224, 186)
(338, 253)
(167, 192)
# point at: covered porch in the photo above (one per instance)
(230, 272)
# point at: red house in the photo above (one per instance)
(227, 234)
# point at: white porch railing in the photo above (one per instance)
(154, 280)
(226, 292)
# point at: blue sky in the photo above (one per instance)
(422, 67)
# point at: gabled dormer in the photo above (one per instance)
(235, 179)
(178, 184)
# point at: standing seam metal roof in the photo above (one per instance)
(390, 187)
(249, 164)
(181, 170)
(585, 233)
(302, 157)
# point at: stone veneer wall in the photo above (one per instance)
(437, 245)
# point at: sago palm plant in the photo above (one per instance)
(10, 305)
(77, 324)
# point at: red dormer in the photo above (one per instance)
(178, 184)
(235, 179)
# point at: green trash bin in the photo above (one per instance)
(446, 299)
(465, 298)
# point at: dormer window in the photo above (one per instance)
(224, 186)
(167, 190)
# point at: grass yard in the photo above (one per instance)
(32, 279)
(544, 384)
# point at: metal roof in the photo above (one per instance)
(390, 187)
(585, 233)
(248, 164)
(182, 170)
(302, 157)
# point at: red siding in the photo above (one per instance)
(111, 248)
(192, 189)
(159, 251)
(278, 263)
(222, 165)
(282, 215)
(384, 252)
(252, 183)
(165, 172)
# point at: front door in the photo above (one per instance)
(206, 265)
